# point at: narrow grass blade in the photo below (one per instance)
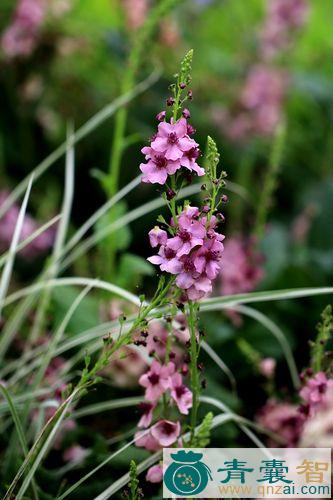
(221, 364)
(106, 406)
(39, 449)
(19, 430)
(7, 271)
(52, 270)
(95, 283)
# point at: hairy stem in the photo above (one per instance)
(193, 367)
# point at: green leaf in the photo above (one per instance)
(85, 316)
(121, 239)
(131, 270)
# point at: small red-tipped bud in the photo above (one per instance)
(182, 85)
(220, 217)
(190, 130)
(190, 94)
(170, 194)
(161, 116)
(224, 198)
(186, 113)
(170, 101)
(184, 369)
(205, 209)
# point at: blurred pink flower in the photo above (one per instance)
(259, 109)
(241, 266)
(267, 367)
(21, 36)
(75, 454)
(125, 367)
(157, 380)
(145, 439)
(181, 394)
(147, 413)
(166, 432)
(7, 226)
(317, 393)
(135, 13)
(155, 474)
(284, 419)
(283, 17)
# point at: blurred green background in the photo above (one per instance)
(77, 65)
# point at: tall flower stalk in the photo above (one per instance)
(188, 249)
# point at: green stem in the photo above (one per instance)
(270, 181)
(193, 368)
(139, 51)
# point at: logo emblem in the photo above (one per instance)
(187, 475)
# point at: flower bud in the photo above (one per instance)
(170, 101)
(161, 116)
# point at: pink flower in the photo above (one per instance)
(155, 474)
(7, 225)
(284, 419)
(189, 235)
(172, 140)
(267, 367)
(166, 432)
(20, 38)
(241, 271)
(207, 258)
(125, 367)
(145, 439)
(135, 13)
(201, 287)
(167, 260)
(156, 380)
(158, 167)
(181, 394)
(147, 414)
(75, 454)
(283, 17)
(157, 237)
(193, 253)
(188, 161)
(314, 393)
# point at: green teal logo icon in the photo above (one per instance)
(187, 475)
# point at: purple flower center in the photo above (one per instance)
(184, 235)
(180, 391)
(322, 388)
(160, 161)
(212, 255)
(169, 253)
(192, 153)
(167, 428)
(172, 138)
(145, 407)
(188, 265)
(154, 378)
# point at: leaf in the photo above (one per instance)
(131, 270)
(122, 237)
(85, 316)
